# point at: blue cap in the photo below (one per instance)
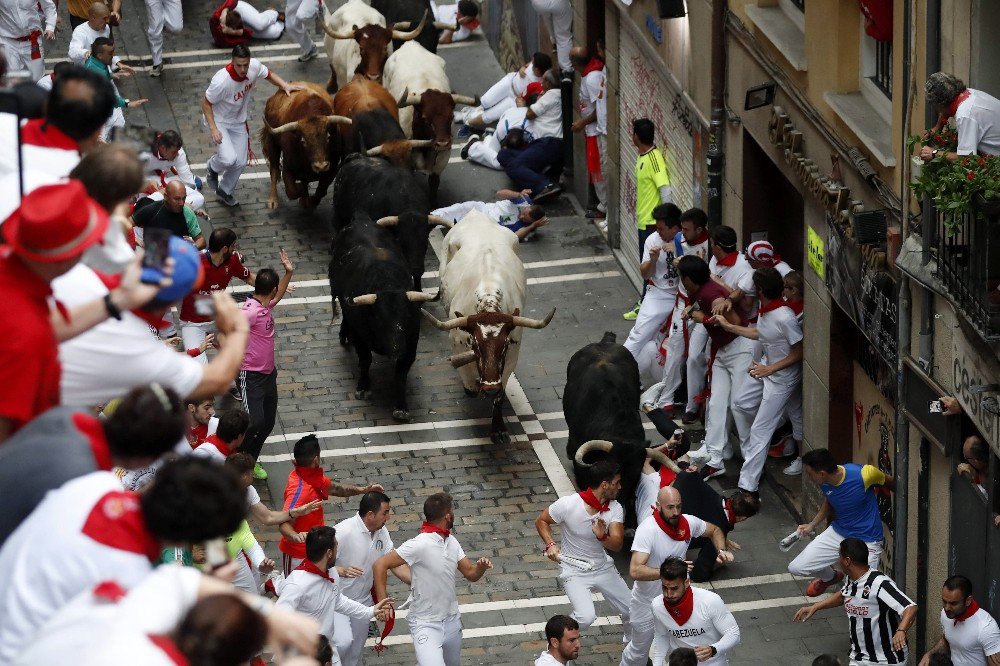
(188, 272)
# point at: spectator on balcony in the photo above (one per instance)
(976, 114)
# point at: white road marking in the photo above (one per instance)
(371, 430)
(391, 448)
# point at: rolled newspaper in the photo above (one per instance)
(576, 562)
(786, 544)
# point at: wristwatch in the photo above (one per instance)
(715, 650)
(934, 153)
(110, 306)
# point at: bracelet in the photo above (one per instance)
(112, 309)
(290, 516)
(547, 546)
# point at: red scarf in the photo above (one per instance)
(730, 514)
(91, 428)
(233, 75)
(309, 567)
(969, 612)
(729, 259)
(219, 444)
(667, 476)
(682, 610)
(315, 477)
(703, 238)
(169, 648)
(680, 533)
(591, 500)
(430, 528)
(37, 133)
(594, 65)
(962, 96)
(796, 306)
(116, 521)
(772, 305)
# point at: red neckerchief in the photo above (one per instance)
(92, 429)
(680, 533)
(682, 610)
(197, 435)
(591, 500)
(37, 133)
(796, 306)
(169, 648)
(431, 528)
(703, 238)
(667, 476)
(116, 521)
(962, 96)
(156, 322)
(730, 514)
(219, 444)
(309, 567)
(108, 591)
(471, 25)
(969, 612)
(772, 305)
(233, 75)
(729, 259)
(315, 477)
(594, 65)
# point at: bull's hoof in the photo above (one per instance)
(472, 393)
(272, 203)
(500, 438)
(362, 394)
(401, 415)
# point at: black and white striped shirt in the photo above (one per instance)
(874, 604)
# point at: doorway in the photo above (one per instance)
(772, 206)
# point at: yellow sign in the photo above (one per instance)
(817, 253)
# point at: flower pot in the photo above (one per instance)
(990, 208)
(916, 167)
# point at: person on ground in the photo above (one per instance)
(502, 95)
(171, 214)
(225, 106)
(557, 15)
(513, 123)
(166, 162)
(512, 210)
(236, 22)
(970, 636)
(227, 439)
(976, 114)
(850, 494)
(24, 24)
(667, 533)
(433, 556)
(464, 16)
(258, 379)
(562, 641)
(880, 613)
(98, 17)
(530, 167)
(90, 530)
(200, 421)
(592, 523)
(101, 60)
(361, 540)
(593, 122)
(63, 444)
(691, 617)
(652, 187)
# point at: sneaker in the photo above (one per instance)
(212, 178)
(700, 456)
(465, 131)
(818, 587)
(710, 472)
(689, 417)
(795, 469)
(258, 472)
(632, 314)
(227, 199)
(594, 214)
(156, 70)
(306, 57)
(549, 191)
(784, 448)
(468, 144)
(603, 225)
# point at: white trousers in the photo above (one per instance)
(579, 587)
(194, 333)
(655, 307)
(162, 14)
(601, 187)
(194, 198)
(728, 372)
(289, 564)
(756, 430)
(298, 14)
(637, 651)
(697, 364)
(558, 17)
(246, 578)
(500, 92)
(485, 152)
(19, 57)
(662, 393)
(230, 158)
(265, 24)
(645, 495)
(349, 636)
(816, 558)
(438, 643)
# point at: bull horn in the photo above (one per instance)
(281, 129)
(401, 25)
(660, 457)
(464, 358)
(364, 299)
(339, 120)
(388, 220)
(418, 297)
(592, 445)
(420, 143)
(374, 152)
(527, 322)
(458, 322)
(337, 35)
(435, 220)
(408, 98)
(406, 36)
(465, 99)
(442, 25)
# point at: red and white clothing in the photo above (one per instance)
(973, 636)
(22, 33)
(485, 150)
(299, 15)
(317, 594)
(162, 14)
(661, 294)
(576, 522)
(81, 41)
(659, 540)
(356, 547)
(305, 484)
(593, 100)
(229, 96)
(87, 531)
(449, 14)
(162, 171)
(194, 327)
(214, 449)
(976, 118)
(701, 618)
(500, 97)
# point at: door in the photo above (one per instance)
(772, 205)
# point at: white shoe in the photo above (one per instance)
(795, 468)
(700, 456)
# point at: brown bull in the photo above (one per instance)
(375, 122)
(298, 142)
(433, 115)
(367, 57)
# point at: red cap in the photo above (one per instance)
(534, 88)
(55, 223)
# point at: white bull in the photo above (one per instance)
(483, 291)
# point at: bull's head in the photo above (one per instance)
(411, 231)
(373, 44)
(490, 334)
(389, 312)
(433, 114)
(314, 133)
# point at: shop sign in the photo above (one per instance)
(970, 370)
(655, 29)
(816, 252)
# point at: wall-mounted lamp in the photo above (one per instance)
(670, 9)
(758, 96)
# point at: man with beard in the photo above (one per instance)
(970, 636)
(665, 534)
(592, 522)
(562, 637)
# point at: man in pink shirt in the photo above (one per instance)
(258, 378)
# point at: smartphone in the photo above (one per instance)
(934, 407)
(157, 245)
(216, 554)
(678, 433)
(204, 305)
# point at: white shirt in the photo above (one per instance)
(777, 331)
(731, 275)
(56, 554)
(449, 14)
(18, 18)
(164, 171)
(971, 640)
(576, 523)
(230, 98)
(710, 623)
(511, 118)
(320, 598)
(748, 288)
(504, 211)
(433, 562)
(84, 626)
(650, 539)
(358, 547)
(548, 116)
(546, 659)
(665, 276)
(592, 94)
(45, 83)
(211, 452)
(978, 123)
(128, 346)
(519, 84)
(82, 39)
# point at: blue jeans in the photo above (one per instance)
(525, 167)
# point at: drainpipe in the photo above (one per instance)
(717, 123)
(928, 228)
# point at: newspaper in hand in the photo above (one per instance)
(786, 544)
(576, 562)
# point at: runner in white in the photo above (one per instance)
(225, 106)
(21, 32)
(970, 634)
(162, 14)
(433, 556)
(591, 521)
(502, 95)
(167, 161)
(299, 15)
(84, 35)
(361, 539)
(691, 617)
(665, 534)
(562, 638)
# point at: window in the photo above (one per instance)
(875, 73)
(883, 68)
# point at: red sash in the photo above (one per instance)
(33, 37)
(773, 305)
(169, 648)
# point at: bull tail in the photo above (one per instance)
(609, 336)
